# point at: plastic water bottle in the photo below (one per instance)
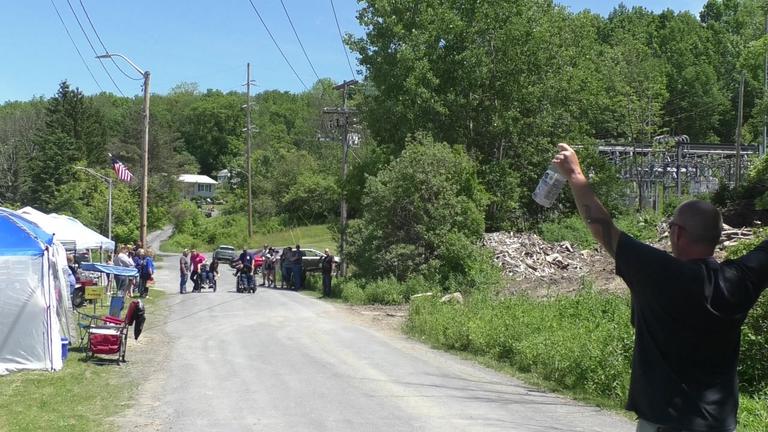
(549, 187)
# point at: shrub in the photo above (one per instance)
(411, 207)
(386, 291)
(351, 292)
(571, 229)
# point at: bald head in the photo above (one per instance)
(702, 222)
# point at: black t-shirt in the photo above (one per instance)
(327, 264)
(687, 317)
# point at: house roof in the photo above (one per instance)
(195, 178)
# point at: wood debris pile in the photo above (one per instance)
(527, 256)
(732, 236)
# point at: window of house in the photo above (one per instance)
(204, 188)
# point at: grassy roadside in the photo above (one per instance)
(579, 346)
(81, 397)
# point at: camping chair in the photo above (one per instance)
(116, 304)
(86, 321)
(109, 335)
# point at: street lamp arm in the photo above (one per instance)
(106, 179)
(110, 55)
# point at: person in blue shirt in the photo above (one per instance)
(146, 268)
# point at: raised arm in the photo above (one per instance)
(596, 217)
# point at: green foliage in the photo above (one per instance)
(426, 196)
(642, 226)
(351, 291)
(571, 229)
(312, 198)
(386, 291)
(753, 370)
(579, 343)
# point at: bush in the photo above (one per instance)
(385, 291)
(351, 292)
(428, 196)
(571, 229)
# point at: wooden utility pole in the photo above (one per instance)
(340, 117)
(248, 149)
(145, 165)
(765, 95)
(738, 131)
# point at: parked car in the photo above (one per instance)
(225, 253)
(311, 260)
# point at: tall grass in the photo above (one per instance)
(582, 344)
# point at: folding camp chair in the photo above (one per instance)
(86, 321)
(109, 335)
(116, 304)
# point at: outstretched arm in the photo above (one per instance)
(596, 217)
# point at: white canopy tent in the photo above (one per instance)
(33, 301)
(68, 230)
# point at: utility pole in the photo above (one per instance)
(765, 95)
(738, 131)
(342, 117)
(145, 148)
(248, 150)
(145, 165)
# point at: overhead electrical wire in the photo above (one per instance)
(277, 45)
(341, 37)
(95, 53)
(103, 46)
(299, 39)
(76, 48)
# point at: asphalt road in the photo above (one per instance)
(281, 361)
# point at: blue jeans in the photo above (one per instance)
(183, 283)
(327, 285)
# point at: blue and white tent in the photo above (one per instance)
(33, 298)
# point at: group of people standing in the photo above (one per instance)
(137, 258)
(192, 267)
(267, 261)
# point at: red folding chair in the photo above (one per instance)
(110, 336)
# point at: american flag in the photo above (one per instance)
(121, 171)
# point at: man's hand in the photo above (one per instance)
(567, 163)
(592, 211)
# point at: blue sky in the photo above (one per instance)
(208, 42)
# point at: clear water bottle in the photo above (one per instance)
(549, 187)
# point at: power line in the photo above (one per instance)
(298, 39)
(95, 53)
(76, 48)
(103, 46)
(277, 45)
(341, 37)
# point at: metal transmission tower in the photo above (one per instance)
(343, 121)
(248, 132)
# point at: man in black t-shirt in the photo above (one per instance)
(687, 311)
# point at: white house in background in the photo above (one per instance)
(194, 186)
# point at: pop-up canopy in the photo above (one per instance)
(68, 230)
(32, 298)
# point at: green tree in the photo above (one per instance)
(411, 209)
